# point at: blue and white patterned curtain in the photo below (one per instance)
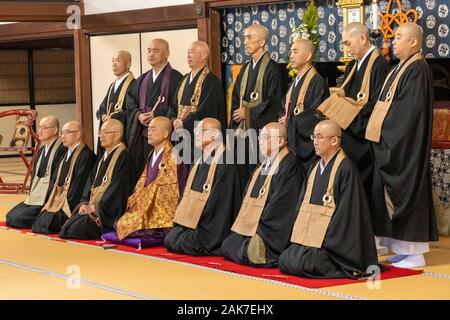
(434, 19)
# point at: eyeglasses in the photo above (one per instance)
(320, 137)
(61, 133)
(102, 133)
(42, 128)
(265, 137)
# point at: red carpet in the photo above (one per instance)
(225, 265)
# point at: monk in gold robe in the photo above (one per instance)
(150, 209)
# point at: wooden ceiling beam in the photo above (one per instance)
(31, 11)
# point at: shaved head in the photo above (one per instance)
(159, 131)
(211, 123)
(356, 39)
(412, 31)
(164, 123)
(125, 55)
(260, 32)
(330, 127)
(356, 29)
(202, 46)
(48, 129)
(301, 54)
(255, 40)
(121, 63)
(198, 55)
(272, 139)
(304, 44)
(276, 128)
(327, 139)
(51, 121)
(207, 133)
(407, 41)
(71, 133)
(161, 42)
(114, 125)
(73, 125)
(158, 53)
(111, 134)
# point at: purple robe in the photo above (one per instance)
(149, 237)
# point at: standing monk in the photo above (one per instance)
(114, 105)
(306, 93)
(352, 105)
(257, 95)
(150, 97)
(200, 95)
(400, 129)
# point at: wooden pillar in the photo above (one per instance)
(83, 90)
(209, 31)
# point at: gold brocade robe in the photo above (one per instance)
(152, 206)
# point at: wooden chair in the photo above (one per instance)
(20, 143)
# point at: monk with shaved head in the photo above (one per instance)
(332, 235)
(211, 198)
(151, 97)
(305, 94)
(43, 176)
(114, 105)
(262, 228)
(106, 191)
(199, 96)
(257, 95)
(400, 130)
(150, 209)
(351, 107)
(73, 172)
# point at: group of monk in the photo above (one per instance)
(341, 177)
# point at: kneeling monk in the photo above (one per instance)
(150, 209)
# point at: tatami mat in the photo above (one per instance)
(33, 267)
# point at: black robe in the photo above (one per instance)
(111, 206)
(278, 216)
(50, 222)
(301, 127)
(211, 105)
(121, 116)
(22, 215)
(402, 161)
(356, 147)
(266, 112)
(217, 217)
(271, 105)
(137, 143)
(348, 248)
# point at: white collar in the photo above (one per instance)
(120, 80)
(48, 146)
(360, 62)
(208, 151)
(105, 155)
(322, 165)
(268, 162)
(298, 78)
(256, 62)
(156, 155)
(70, 150)
(155, 75)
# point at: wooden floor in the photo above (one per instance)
(34, 267)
